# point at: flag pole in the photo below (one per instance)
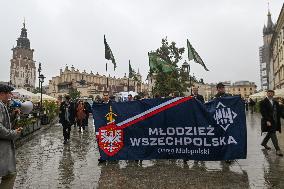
(107, 77)
(128, 77)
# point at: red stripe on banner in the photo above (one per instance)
(155, 112)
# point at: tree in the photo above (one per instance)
(170, 82)
(74, 93)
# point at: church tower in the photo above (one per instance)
(266, 68)
(22, 69)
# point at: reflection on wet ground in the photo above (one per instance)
(45, 162)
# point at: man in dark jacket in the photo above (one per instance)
(221, 91)
(196, 95)
(67, 117)
(270, 121)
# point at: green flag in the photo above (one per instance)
(108, 53)
(193, 55)
(155, 61)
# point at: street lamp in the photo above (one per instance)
(186, 69)
(39, 71)
(41, 80)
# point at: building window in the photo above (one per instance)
(250, 89)
(245, 89)
(239, 89)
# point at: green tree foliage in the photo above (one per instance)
(173, 82)
(74, 93)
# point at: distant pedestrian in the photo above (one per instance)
(247, 104)
(196, 95)
(137, 97)
(270, 121)
(130, 97)
(88, 110)
(112, 98)
(80, 115)
(7, 138)
(67, 117)
(98, 99)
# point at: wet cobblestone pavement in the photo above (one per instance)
(45, 162)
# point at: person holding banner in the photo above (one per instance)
(196, 95)
(221, 91)
(105, 98)
(270, 121)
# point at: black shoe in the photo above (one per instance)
(65, 142)
(101, 160)
(266, 147)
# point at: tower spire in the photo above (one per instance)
(24, 24)
(268, 29)
(268, 7)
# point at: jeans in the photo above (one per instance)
(272, 135)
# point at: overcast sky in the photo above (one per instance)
(226, 33)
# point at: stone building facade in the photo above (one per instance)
(90, 84)
(277, 52)
(243, 88)
(22, 69)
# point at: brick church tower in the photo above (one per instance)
(22, 69)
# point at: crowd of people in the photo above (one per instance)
(77, 113)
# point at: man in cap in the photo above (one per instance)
(221, 91)
(270, 121)
(7, 138)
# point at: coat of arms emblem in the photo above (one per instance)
(110, 137)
